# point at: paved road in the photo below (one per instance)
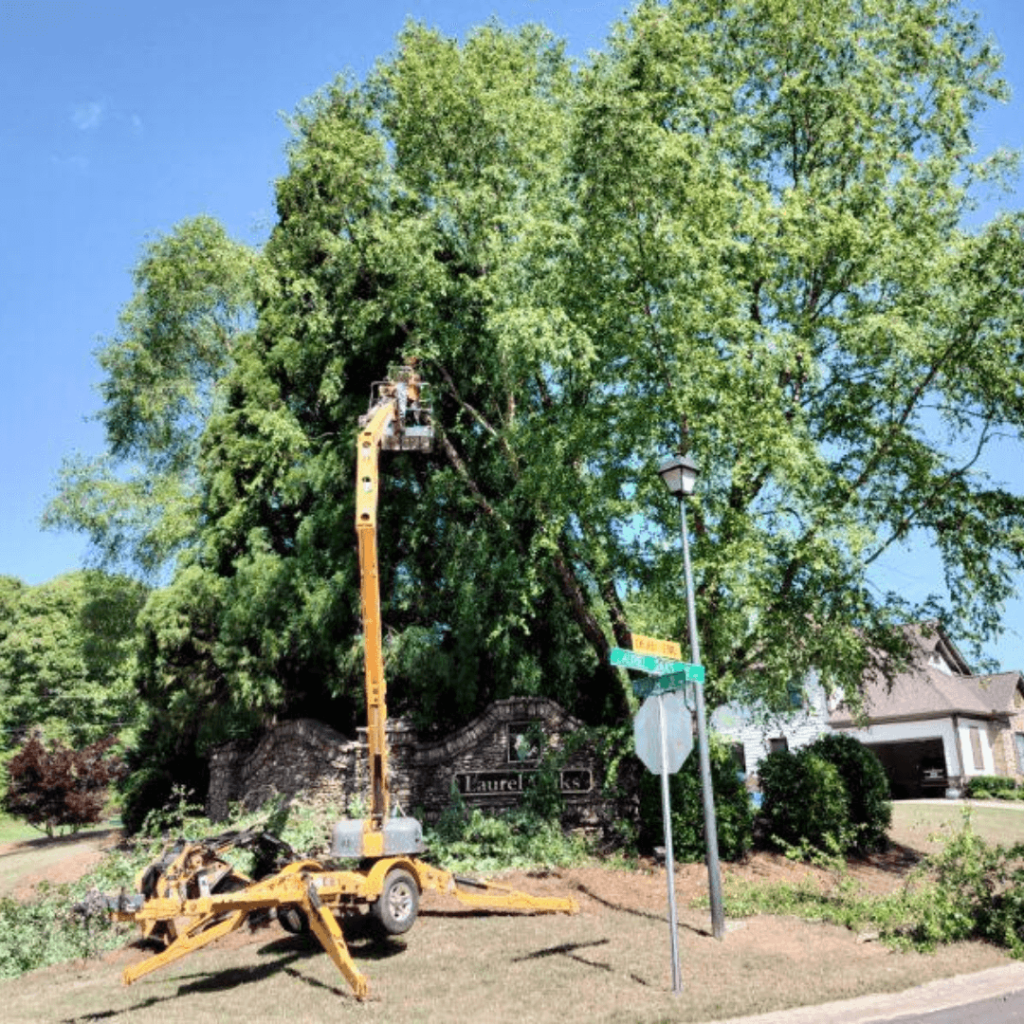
(995, 996)
(1008, 1009)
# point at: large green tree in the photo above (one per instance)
(194, 293)
(738, 232)
(67, 655)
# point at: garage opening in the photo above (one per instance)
(916, 768)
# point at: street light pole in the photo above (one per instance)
(710, 822)
(680, 475)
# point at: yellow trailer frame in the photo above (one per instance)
(189, 923)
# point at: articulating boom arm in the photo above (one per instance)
(399, 421)
(192, 896)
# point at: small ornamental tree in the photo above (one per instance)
(55, 787)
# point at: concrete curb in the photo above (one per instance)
(941, 994)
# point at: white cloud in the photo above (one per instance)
(87, 116)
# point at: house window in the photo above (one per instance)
(778, 745)
(979, 762)
(739, 756)
(795, 694)
(1018, 739)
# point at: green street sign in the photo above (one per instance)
(652, 685)
(690, 674)
(648, 663)
(680, 672)
(662, 684)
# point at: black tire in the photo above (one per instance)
(293, 920)
(399, 903)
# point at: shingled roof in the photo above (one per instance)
(936, 681)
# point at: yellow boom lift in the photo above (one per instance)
(192, 896)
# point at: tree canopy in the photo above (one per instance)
(193, 300)
(67, 653)
(739, 232)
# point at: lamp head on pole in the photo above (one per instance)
(679, 474)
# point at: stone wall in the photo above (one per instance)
(299, 758)
(1004, 743)
(490, 762)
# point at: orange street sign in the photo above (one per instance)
(661, 648)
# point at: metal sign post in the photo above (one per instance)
(666, 817)
(707, 791)
(663, 736)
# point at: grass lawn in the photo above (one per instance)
(14, 831)
(27, 854)
(913, 824)
(608, 964)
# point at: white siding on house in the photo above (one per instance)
(754, 729)
(920, 702)
(938, 728)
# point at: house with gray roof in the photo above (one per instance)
(933, 723)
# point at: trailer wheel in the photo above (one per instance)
(399, 902)
(293, 920)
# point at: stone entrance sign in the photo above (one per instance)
(489, 763)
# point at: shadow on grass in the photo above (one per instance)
(464, 912)
(363, 945)
(229, 978)
(40, 841)
(895, 859)
(288, 952)
(646, 914)
(570, 950)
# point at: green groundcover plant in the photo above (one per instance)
(53, 927)
(969, 890)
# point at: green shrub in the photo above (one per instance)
(734, 815)
(805, 802)
(867, 788)
(145, 790)
(988, 787)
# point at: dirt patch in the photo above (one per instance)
(609, 963)
(25, 864)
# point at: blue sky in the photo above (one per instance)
(122, 118)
